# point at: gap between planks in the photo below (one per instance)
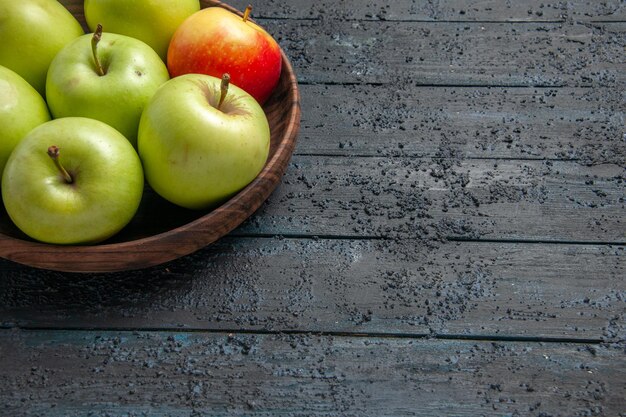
(444, 21)
(424, 157)
(381, 335)
(300, 236)
(534, 241)
(442, 85)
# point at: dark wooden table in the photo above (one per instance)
(448, 239)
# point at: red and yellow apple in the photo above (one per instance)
(215, 41)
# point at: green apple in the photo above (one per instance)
(202, 141)
(107, 77)
(21, 110)
(72, 181)
(152, 21)
(32, 33)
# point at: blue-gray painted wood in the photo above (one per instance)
(194, 374)
(496, 124)
(342, 285)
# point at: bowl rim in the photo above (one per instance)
(167, 244)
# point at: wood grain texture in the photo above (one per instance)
(421, 198)
(573, 292)
(139, 247)
(183, 374)
(460, 54)
(552, 53)
(459, 10)
(582, 124)
(409, 10)
(431, 198)
(436, 198)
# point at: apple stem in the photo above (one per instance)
(53, 152)
(97, 35)
(246, 13)
(223, 89)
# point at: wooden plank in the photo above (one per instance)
(421, 198)
(409, 10)
(431, 199)
(565, 123)
(572, 292)
(436, 199)
(182, 374)
(459, 10)
(487, 54)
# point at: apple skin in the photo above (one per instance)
(195, 155)
(151, 21)
(107, 188)
(32, 33)
(133, 73)
(21, 109)
(215, 41)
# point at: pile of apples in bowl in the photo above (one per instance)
(152, 135)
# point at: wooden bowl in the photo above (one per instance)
(161, 231)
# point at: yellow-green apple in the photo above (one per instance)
(215, 41)
(107, 77)
(72, 181)
(202, 141)
(151, 21)
(32, 33)
(21, 109)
